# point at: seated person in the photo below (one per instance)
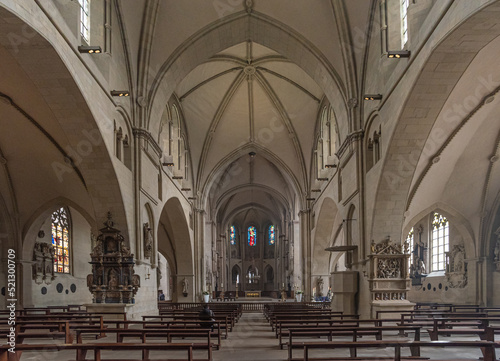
(161, 296)
(206, 317)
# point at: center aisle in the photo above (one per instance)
(251, 340)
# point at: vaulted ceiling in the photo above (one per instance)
(249, 99)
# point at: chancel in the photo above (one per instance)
(303, 167)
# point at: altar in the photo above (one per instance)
(252, 294)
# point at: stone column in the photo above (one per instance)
(199, 250)
(305, 233)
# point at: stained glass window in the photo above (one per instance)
(232, 235)
(272, 235)
(252, 236)
(440, 241)
(85, 19)
(60, 240)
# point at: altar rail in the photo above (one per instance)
(247, 306)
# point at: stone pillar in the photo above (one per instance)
(199, 252)
(24, 283)
(305, 233)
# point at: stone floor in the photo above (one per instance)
(252, 340)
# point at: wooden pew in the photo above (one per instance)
(354, 332)
(480, 331)
(312, 325)
(327, 313)
(144, 333)
(309, 318)
(457, 321)
(82, 349)
(156, 322)
(487, 348)
(25, 327)
(62, 331)
(226, 321)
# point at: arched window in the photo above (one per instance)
(439, 241)
(332, 132)
(252, 236)
(404, 22)
(410, 239)
(232, 235)
(85, 20)
(60, 240)
(272, 235)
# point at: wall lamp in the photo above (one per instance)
(120, 93)
(399, 54)
(372, 97)
(89, 49)
(330, 166)
(168, 161)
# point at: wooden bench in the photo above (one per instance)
(232, 314)
(449, 320)
(309, 318)
(284, 332)
(354, 332)
(219, 328)
(57, 325)
(487, 333)
(226, 321)
(308, 311)
(282, 326)
(144, 333)
(487, 348)
(433, 306)
(82, 349)
(62, 331)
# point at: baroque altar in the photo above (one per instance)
(112, 279)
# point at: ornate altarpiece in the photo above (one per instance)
(112, 279)
(388, 277)
(43, 266)
(456, 267)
